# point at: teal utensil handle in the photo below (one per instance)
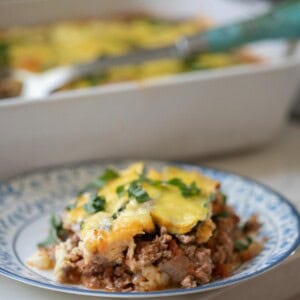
(281, 22)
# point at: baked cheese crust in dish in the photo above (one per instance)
(141, 229)
(42, 47)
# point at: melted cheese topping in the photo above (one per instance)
(110, 231)
(113, 201)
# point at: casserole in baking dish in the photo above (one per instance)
(39, 48)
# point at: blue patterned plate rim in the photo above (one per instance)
(164, 293)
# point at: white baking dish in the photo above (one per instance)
(182, 116)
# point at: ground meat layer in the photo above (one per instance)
(161, 260)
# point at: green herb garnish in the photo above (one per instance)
(249, 240)
(56, 232)
(136, 190)
(242, 246)
(96, 203)
(186, 190)
(108, 175)
(210, 198)
(120, 190)
(70, 206)
(223, 214)
(120, 209)
(155, 183)
(81, 224)
(224, 197)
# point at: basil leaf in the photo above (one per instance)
(95, 204)
(135, 190)
(186, 190)
(108, 175)
(56, 231)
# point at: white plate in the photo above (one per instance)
(27, 201)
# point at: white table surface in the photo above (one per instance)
(277, 165)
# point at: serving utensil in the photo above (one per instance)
(283, 21)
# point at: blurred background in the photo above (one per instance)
(61, 105)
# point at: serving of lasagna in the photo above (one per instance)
(142, 229)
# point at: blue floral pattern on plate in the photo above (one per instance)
(26, 202)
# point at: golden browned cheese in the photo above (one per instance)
(110, 231)
(177, 213)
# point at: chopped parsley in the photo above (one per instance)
(136, 190)
(108, 175)
(185, 189)
(155, 183)
(120, 190)
(119, 210)
(95, 204)
(56, 232)
(242, 246)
